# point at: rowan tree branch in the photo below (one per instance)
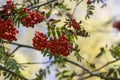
(103, 66)
(30, 63)
(108, 63)
(91, 73)
(40, 5)
(20, 45)
(76, 64)
(14, 50)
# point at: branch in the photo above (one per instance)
(3, 68)
(77, 4)
(100, 76)
(35, 63)
(14, 50)
(48, 2)
(103, 77)
(91, 74)
(20, 45)
(107, 64)
(76, 64)
(26, 46)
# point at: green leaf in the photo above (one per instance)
(25, 14)
(110, 72)
(45, 52)
(90, 65)
(29, 0)
(102, 51)
(58, 32)
(54, 34)
(115, 74)
(49, 33)
(115, 51)
(71, 38)
(90, 13)
(48, 14)
(77, 55)
(58, 74)
(66, 71)
(54, 21)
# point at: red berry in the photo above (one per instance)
(75, 24)
(9, 7)
(89, 2)
(60, 46)
(116, 25)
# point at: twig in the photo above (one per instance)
(20, 45)
(75, 8)
(25, 46)
(107, 64)
(100, 76)
(14, 50)
(3, 68)
(76, 64)
(35, 63)
(36, 6)
(91, 75)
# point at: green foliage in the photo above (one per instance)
(98, 1)
(3, 54)
(64, 7)
(42, 74)
(11, 69)
(77, 54)
(12, 66)
(112, 74)
(90, 9)
(91, 66)
(115, 51)
(17, 18)
(33, 2)
(64, 75)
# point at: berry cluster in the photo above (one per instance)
(7, 30)
(75, 24)
(39, 41)
(58, 46)
(32, 18)
(9, 7)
